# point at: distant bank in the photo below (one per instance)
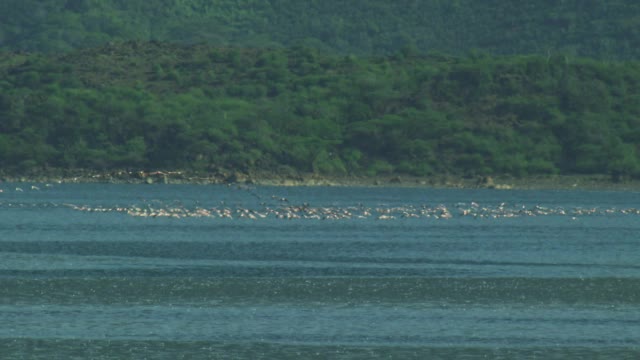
(284, 112)
(234, 178)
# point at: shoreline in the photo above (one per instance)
(547, 182)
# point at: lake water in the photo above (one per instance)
(186, 271)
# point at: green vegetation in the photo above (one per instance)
(143, 105)
(580, 28)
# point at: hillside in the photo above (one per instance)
(140, 105)
(584, 28)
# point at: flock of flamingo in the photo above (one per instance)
(280, 208)
(305, 211)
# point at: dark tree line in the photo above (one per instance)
(145, 105)
(586, 28)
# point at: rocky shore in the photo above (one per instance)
(584, 182)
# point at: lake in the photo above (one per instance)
(107, 271)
